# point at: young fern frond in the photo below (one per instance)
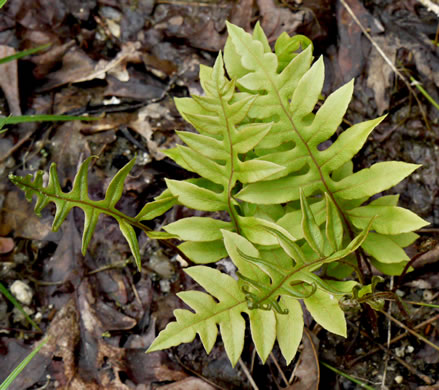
(78, 197)
(292, 93)
(266, 326)
(216, 155)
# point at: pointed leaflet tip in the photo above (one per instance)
(370, 181)
(311, 230)
(115, 188)
(91, 220)
(80, 184)
(258, 34)
(130, 235)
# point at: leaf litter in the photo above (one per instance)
(124, 61)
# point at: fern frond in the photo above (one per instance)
(292, 93)
(215, 153)
(297, 213)
(226, 311)
(78, 197)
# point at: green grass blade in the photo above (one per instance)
(13, 375)
(2, 123)
(17, 304)
(421, 304)
(23, 53)
(347, 376)
(2, 3)
(421, 89)
(13, 120)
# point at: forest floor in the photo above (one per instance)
(124, 61)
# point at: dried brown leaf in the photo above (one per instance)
(191, 383)
(9, 80)
(307, 371)
(17, 216)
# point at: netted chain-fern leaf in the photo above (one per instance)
(226, 311)
(275, 278)
(291, 94)
(215, 153)
(288, 272)
(78, 197)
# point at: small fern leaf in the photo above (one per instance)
(115, 188)
(208, 314)
(196, 197)
(369, 181)
(263, 330)
(156, 208)
(403, 220)
(198, 228)
(325, 309)
(204, 252)
(286, 47)
(78, 197)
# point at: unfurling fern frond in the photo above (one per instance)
(78, 197)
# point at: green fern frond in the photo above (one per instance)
(226, 311)
(297, 215)
(216, 154)
(78, 197)
(292, 94)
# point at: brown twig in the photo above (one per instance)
(411, 331)
(20, 142)
(394, 340)
(279, 368)
(409, 367)
(248, 375)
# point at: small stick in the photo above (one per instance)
(417, 335)
(389, 337)
(248, 375)
(279, 368)
(394, 340)
(410, 368)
